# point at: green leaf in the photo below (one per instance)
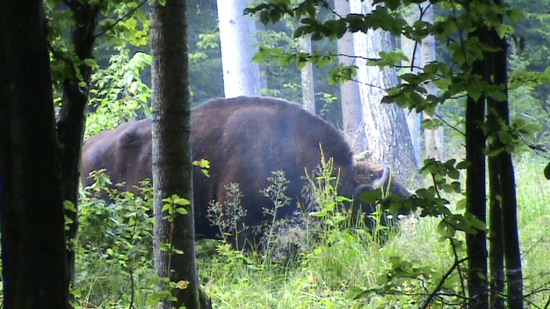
(462, 204)
(181, 211)
(445, 230)
(515, 14)
(503, 30)
(505, 137)
(454, 174)
(91, 63)
(474, 91)
(495, 152)
(176, 200)
(131, 23)
(128, 77)
(478, 224)
(167, 207)
(497, 95)
(463, 165)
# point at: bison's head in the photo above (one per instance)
(373, 179)
(375, 176)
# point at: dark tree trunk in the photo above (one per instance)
(514, 276)
(72, 119)
(31, 205)
(496, 253)
(172, 167)
(476, 195)
(512, 254)
(475, 191)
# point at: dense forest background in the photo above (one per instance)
(529, 53)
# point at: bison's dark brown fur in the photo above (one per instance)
(245, 139)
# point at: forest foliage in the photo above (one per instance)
(115, 258)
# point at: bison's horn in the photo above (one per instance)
(380, 182)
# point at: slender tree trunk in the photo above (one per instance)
(433, 139)
(31, 205)
(306, 74)
(388, 136)
(241, 76)
(496, 249)
(172, 168)
(72, 119)
(476, 195)
(352, 112)
(512, 254)
(475, 192)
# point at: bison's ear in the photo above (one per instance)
(362, 156)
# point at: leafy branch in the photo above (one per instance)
(119, 20)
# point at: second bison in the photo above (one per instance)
(244, 139)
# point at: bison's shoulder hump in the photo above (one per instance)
(237, 103)
(135, 134)
(288, 117)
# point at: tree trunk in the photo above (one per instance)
(31, 205)
(387, 134)
(72, 118)
(412, 51)
(172, 168)
(306, 74)
(496, 249)
(352, 112)
(241, 76)
(433, 139)
(514, 274)
(475, 194)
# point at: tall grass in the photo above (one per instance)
(338, 264)
(534, 227)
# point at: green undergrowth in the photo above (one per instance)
(534, 226)
(335, 267)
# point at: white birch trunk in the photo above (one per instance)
(241, 76)
(350, 96)
(388, 136)
(306, 74)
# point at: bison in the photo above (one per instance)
(244, 139)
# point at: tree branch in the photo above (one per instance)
(428, 300)
(102, 32)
